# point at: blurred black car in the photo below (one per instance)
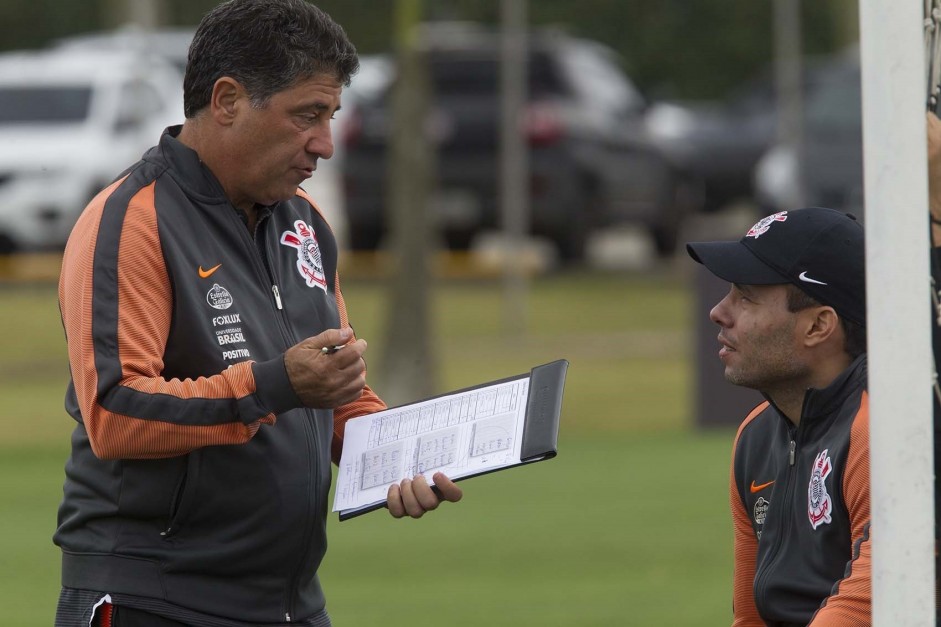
(591, 162)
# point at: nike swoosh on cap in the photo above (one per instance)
(758, 488)
(208, 273)
(803, 277)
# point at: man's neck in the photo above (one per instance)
(789, 398)
(192, 136)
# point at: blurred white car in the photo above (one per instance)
(172, 44)
(71, 121)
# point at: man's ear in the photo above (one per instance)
(227, 96)
(819, 325)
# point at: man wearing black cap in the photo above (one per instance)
(793, 327)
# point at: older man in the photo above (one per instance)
(202, 309)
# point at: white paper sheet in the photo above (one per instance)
(459, 434)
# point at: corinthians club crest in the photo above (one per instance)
(309, 261)
(761, 227)
(819, 505)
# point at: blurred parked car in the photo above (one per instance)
(170, 43)
(591, 162)
(718, 143)
(830, 161)
(325, 186)
(70, 122)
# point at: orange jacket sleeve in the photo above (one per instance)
(745, 547)
(849, 605)
(143, 304)
(368, 403)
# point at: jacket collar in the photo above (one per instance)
(187, 169)
(823, 401)
(196, 179)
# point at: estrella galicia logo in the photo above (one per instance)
(219, 297)
(309, 260)
(760, 513)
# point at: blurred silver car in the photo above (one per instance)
(828, 168)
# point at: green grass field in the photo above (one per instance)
(627, 526)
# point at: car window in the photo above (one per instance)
(140, 98)
(598, 78)
(455, 75)
(43, 104)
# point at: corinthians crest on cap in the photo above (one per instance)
(761, 227)
(309, 261)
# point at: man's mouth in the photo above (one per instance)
(726, 348)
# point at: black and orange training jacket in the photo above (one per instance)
(197, 483)
(800, 509)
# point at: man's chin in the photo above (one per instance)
(281, 196)
(736, 378)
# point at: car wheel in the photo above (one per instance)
(684, 196)
(364, 238)
(7, 245)
(459, 239)
(572, 239)
(572, 242)
(665, 239)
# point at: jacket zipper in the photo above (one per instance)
(257, 244)
(311, 433)
(786, 513)
(785, 516)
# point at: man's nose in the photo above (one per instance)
(719, 314)
(321, 143)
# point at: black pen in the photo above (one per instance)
(329, 350)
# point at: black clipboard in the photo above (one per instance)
(541, 421)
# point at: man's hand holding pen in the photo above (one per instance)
(327, 371)
(323, 375)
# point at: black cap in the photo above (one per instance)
(819, 250)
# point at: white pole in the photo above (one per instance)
(897, 283)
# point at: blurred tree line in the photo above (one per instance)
(670, 48)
